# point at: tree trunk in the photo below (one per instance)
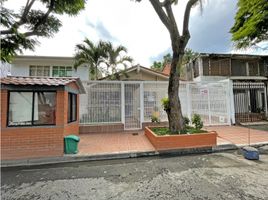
(174, 113)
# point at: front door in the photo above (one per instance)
(132, 106)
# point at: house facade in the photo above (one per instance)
(48, 66)
(248, 74)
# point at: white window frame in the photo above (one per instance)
(65, 68)
(39, 66)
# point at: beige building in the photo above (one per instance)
(139, 73)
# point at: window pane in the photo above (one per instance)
(55, 71)
(32, 70)
(253, 68)
(62, 72)
(44, 108)
(69, 71)
(46, 71)
(239, 68)
(69, 106)
(73, 107)
(20, 108)
(262, 71)
(39, 71)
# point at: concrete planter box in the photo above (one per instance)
(184, 141)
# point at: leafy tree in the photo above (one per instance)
(189, 55)
(179, 41)
(167, 59)
(114, 57)
(92, 55)
(20, 29)
(251, 23)
(159, 65)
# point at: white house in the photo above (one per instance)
(48, 66)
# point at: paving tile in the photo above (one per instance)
(239, 135)
(121, 142)
(102, 143)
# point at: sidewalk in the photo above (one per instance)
(239, 135)
(131, 144)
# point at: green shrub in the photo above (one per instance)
(196, 120)
(186, 121)
(165, 103)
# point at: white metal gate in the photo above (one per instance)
(134, 102)
(132, 106)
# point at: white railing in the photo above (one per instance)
(105, 101)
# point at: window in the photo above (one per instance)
(39, 70)
(253, 68)
(72, 107)
(238, 68)
(31, 108)
(62, 71)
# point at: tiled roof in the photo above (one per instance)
(166, 69)
(20, 80)
(46, 81)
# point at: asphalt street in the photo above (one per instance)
(208, 176)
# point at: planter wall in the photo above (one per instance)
(168, 142)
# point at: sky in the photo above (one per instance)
(137, 27)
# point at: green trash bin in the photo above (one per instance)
(70, 144)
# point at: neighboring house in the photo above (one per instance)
(249, 76)
(139, 73)
(48, 66)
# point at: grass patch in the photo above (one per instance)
(165, 131)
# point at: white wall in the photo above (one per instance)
(82, 72)
(20, 70)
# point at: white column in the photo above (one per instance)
(123, 103)
(189, 101)
(231, 100)
(265, 98)
(141, 103)
(200, 66)
(209, 110)
(228, 103)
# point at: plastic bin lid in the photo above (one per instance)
(74, 137)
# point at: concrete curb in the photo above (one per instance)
(75, 158)
(120, 155)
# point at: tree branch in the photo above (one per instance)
(162, 15)
(187, 12)
(22, 19)
(31, 33)
(44, 18)
(171, 17)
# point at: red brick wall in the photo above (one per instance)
(36, 141)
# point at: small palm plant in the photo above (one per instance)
(91, 54)
(114, 59)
